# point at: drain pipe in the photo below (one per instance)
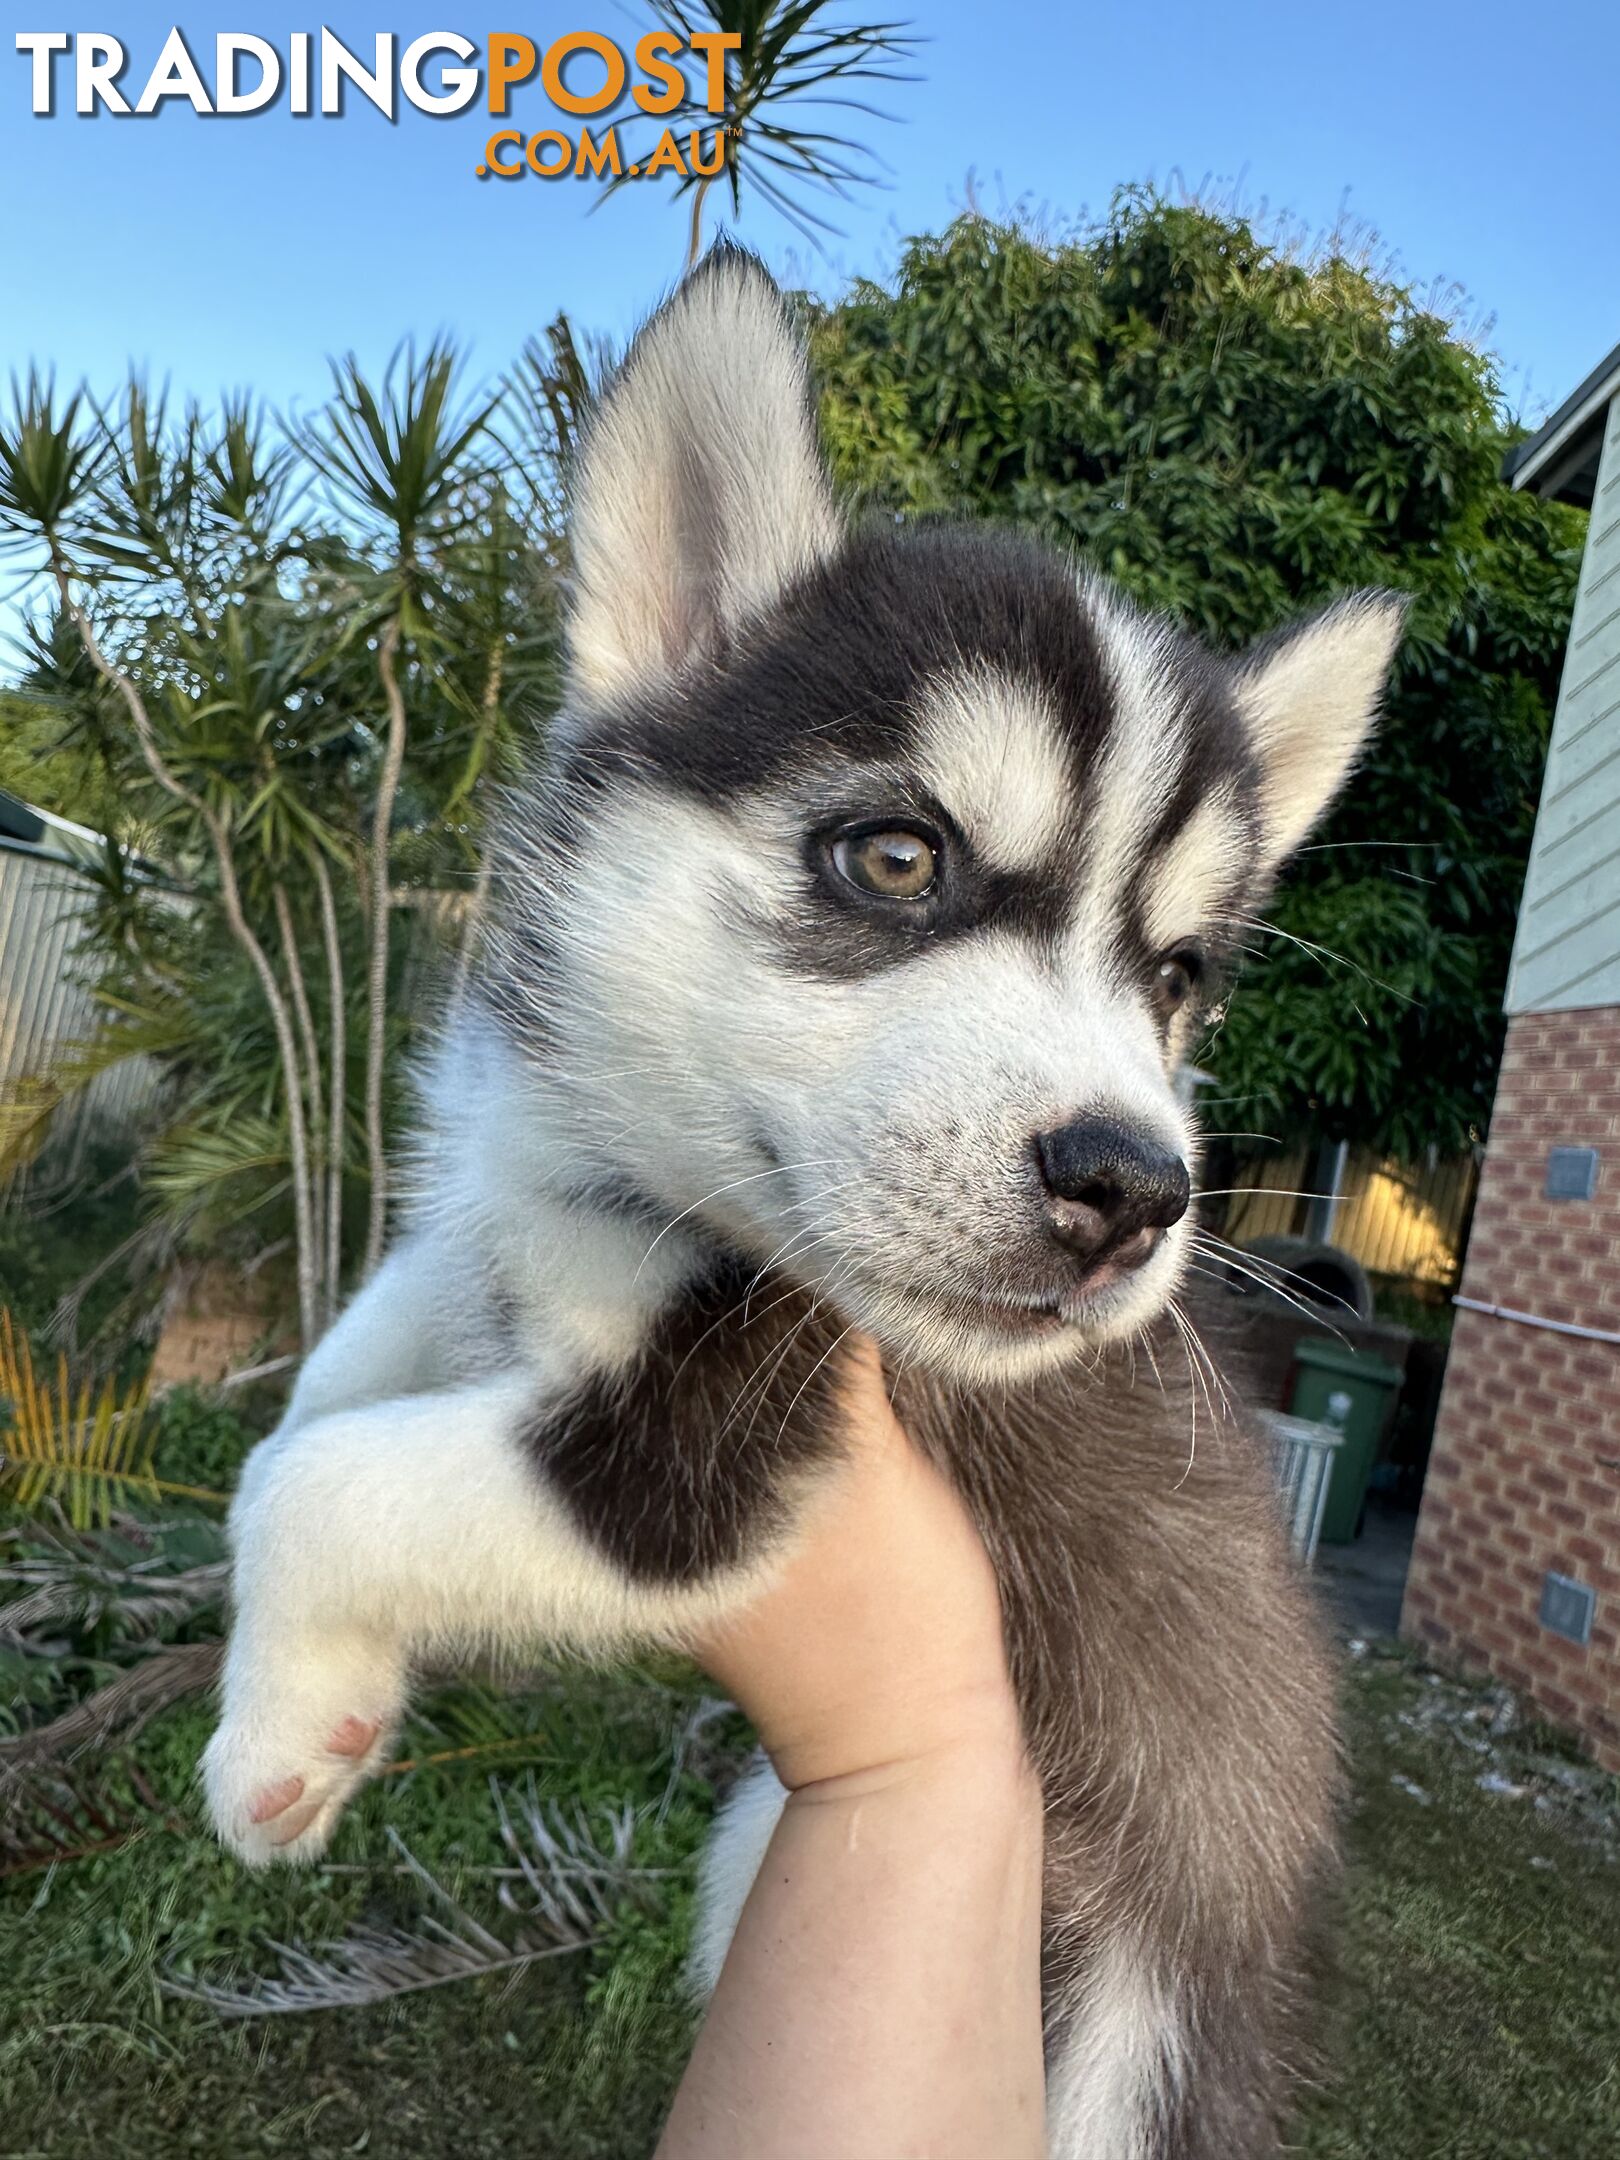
(1535, 1320)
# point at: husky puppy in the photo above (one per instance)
(846, 947)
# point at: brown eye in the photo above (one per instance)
(891, 865)
(1176, 979)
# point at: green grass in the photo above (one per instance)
(571, 2058)
(1476, 2015)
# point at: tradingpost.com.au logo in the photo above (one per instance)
(581, 73)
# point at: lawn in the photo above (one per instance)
(1475, 2014)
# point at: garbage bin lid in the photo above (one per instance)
(1300, 1431)
(1353, 1364)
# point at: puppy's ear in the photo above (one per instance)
(700, 491)
(1310, 697)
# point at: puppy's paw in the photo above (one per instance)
(302, 1729)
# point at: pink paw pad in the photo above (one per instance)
(276, 1799)
(354, 1737)
(295, 1822)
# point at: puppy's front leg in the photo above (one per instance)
(373, 1535)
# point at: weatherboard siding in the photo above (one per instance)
(1567, 953)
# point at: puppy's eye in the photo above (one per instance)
(891, 865)
(1177, 977)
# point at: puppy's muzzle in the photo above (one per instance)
(1111, 1192)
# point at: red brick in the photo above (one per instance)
(1515, 1485)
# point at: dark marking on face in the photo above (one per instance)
(824, 705)
(833, 677)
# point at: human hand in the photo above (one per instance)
(882, 1992)
(879, 1646)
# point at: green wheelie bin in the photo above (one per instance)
(1354, 1393)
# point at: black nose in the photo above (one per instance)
(1112, 1190)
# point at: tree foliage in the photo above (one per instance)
(1236, 432)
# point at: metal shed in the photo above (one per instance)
(44, 1004)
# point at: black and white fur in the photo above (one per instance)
(711, 1108)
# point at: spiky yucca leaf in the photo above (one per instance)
(791, 65)
(50, 458)
(119, 1709)
(81, 1446)
(397, 453)
(89, 1578)
(572, 1879)
(50, 1820)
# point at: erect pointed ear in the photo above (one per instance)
(700, 491)
(1310, 696)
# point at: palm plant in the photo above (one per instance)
(131, 501)
(789, 63)
(68, 1440)
(546, 403)
(294, 662)
(573, 1876)
(224, 600)
(396, 462)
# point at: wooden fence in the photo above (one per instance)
(1405, 1220)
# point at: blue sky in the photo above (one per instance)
(241, 252)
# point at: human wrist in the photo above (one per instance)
(966, 1737)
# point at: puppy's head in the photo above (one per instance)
(870, 897)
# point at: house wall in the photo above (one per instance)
(1567, 952)
(1525, 1474)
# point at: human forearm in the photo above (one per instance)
(882, 1995)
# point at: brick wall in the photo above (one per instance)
(1525, 1474)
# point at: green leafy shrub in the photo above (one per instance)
(200, 1438)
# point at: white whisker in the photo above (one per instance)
(731, 1185)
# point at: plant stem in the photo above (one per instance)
(337, 1077)
(377, 987)
(478, 904)
(240, 928)
(696, 240)
(312, 1068)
